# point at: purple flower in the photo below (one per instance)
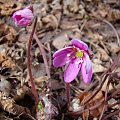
(23, 17)
(76, 57)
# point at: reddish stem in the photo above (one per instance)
(68, 94)
(43, 55)
(29, 65)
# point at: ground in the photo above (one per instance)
(95, 22)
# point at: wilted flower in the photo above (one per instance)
(77, 57)
(23, 17)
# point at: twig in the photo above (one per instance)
(118, 39)
(118, 102)
(97, 105)
(29, 66)
(115, 31)
(111, 68)
(111, 114)
(106, 93)
(94, 94)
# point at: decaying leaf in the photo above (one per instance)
(51, 21)
(5, 86)
(103, 55)
(7, 7)
(41, 84)
(6, 61)
(7, 33)
(8, 104)
(60, 41)
(96, 100)
(97, 66)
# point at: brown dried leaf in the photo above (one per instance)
(7, 7)
(96, 100)
(97, 66)
(60, 41)
(103, 55)
(5, 86)
(6, 61)
(51, 21)
(41, 83)
(114, 48)
(7, 33)
(8, 104)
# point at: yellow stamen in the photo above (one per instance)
(79, 54)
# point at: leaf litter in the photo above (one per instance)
(58, 23)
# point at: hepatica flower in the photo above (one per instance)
(23, 17)
(76, 57)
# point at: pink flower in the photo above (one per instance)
(23, 17)
(77, 58)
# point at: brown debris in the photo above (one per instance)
(7, 7)
(8, 104)
(6, 61)
(7, 34)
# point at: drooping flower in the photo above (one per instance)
(76, 57)
(23, 17)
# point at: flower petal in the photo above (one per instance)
(16, 13)
(23, 17)
(71, 71)
(27, 13)
(62, 51)
(60, 60)
(24, 22)
(80, 44)
(86, 76)
(87, 62)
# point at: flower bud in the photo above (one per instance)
(24, 17)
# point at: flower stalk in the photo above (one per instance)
(68, 94)
(43, 55)
(29, 65)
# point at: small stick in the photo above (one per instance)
(106, 93)
(111, 114)
(97, 105)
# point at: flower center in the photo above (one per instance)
(79, 54)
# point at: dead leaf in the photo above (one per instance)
(5, 86)
(103, 55)
(7, 7)
(7, 34)
(6, 61)
(8, 104)
(96, 100)
(60, 41)
(97, 66)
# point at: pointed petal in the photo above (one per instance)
(86, 76)
(62, 51)
(80, 44)
(71, 71)
(87, 62)
(60, 60)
